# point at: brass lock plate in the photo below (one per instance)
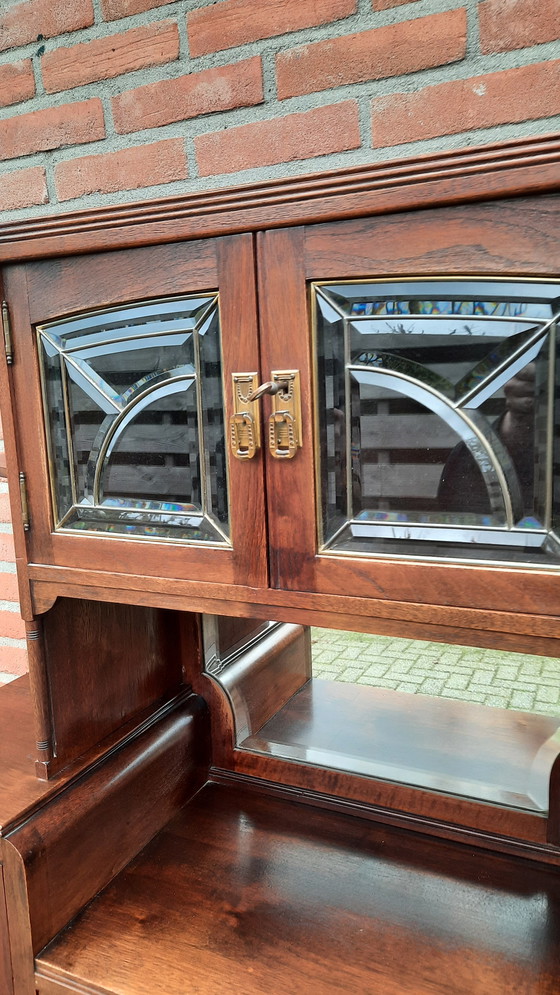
(245, 429)
(284, 424)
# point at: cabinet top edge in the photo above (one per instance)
(514, 168)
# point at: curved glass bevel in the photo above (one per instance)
(436, 414)
(130, 456)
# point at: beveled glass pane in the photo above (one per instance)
(143, 432)
(53, 394)
(153, 455)
(435, 419)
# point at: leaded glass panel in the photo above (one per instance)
(437, 417)
(134, 412)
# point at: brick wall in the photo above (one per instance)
(105, 101)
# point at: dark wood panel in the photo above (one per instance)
(20, 788)
(242, 895)
(480, 626)
(264, 677)
(63, 286)
(505, 169)
(106, 663)
(6, 976)
(509, 237)
(492, 754)
(73, 846)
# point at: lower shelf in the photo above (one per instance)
(243, 894)
(492, 754)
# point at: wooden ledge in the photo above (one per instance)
(518, 167)
(246, 894)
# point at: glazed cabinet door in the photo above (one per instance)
(123, 376)
(426, 471)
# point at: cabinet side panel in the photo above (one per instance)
(5, 958)
(106, 663)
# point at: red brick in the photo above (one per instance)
(141, 166)
(23, 188)
(7, 552)
(465, 105)
(152, 45)
(5, 514)
(17, 82)
(11, 625)
(220, 89)
(385, 4)
(13, 660)
(70, 124)
(235, 22)
(297, 136)
(8, 587)
(26, 22)
(507, 24)
(387, 51)
(113, 9)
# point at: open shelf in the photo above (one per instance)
(243, 894)
(492, 754)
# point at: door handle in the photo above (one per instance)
(284, 424)
(244, 425)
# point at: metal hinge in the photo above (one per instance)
(24, 502)
(7, 333)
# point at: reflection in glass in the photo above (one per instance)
(435, 716)
(134, 407)
(436, 412)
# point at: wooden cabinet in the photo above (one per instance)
(127, 436)
(327, 401)
(121, 415)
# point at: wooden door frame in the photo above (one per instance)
(519, 168)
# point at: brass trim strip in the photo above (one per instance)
(24, 503)
(6, 326)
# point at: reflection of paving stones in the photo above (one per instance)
(491, 677)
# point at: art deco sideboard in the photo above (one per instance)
(329, 401)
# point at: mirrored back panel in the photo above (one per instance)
(134, 413)
(438, 419)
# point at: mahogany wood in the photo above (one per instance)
(491, 754)
(130, 744)
(73, 846)
(242, 894)
(505, 169)
(106, 663)
(14, 285)
(6, 974)
(60, 287)
(513, 238)
(422, 809)
(262, 679)
(517, 631)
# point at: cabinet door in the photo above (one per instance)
(428, 471)
(123, 371)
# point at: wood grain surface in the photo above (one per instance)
(245, 895)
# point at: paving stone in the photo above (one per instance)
(432, 686)
(521, 699)
(376, 670)
(458, 682)
(495, 677)
(483, 677)
(548, 694)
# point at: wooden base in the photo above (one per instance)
(243, 895)
(458, 747)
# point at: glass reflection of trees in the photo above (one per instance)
(436, 409)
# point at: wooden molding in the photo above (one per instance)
(508, 169)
